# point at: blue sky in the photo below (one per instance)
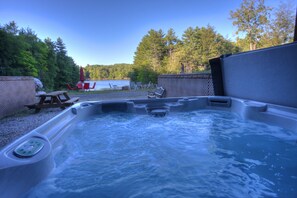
(108, 31)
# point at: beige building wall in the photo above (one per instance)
(15, 92)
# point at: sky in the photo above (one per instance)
(108, 31)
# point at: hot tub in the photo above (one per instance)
(165, 154)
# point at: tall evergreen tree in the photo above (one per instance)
(189, 50)
(171, 41)
(73, 70)
(37, 49)
(171, 60)
(11, 28)
(49, 76)
(63, 76)
(9, 53)
(151, 50)
(201, 44)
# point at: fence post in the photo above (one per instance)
(295, 33)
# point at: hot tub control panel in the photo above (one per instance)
(29, 148)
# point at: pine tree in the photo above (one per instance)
(50, 74)
(151, 50)
(63, 73)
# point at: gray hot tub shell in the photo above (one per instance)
(19, 174)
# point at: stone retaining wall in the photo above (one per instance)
(178, 85)
(15, 92)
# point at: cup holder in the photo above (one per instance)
(257, 106)
(29, 148)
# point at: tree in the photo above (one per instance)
(9, 52)
(26, 61)
(36, 48)
(104, 73)
(50, 74)
(242, 44)
(60, 47)
(143, 74)
(73, 70)
(171, 60)
(67, 70)
(281, 29)
(151, 50)
(61, 77)
(283, 24)
(190, 56)
(116, 71)
(201, 44)
(251, 19)
(11, 28)
(22, 53)
(171, 41)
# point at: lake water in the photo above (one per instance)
(108, 84)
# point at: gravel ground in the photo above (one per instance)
(16, 125)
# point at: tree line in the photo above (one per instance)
(121, 71)
(163, 53)
(22, 53)
(102, 72)
(258, 26)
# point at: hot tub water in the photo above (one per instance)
(193, 154)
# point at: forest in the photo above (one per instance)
(22, 53)
(116, 71)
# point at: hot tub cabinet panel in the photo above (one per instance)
(29, 160)
(18, 174)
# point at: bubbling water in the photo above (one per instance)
(193, 154)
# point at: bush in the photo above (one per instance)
(143, 74)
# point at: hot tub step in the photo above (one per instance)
(158, 112)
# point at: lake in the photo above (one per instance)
(108, 84)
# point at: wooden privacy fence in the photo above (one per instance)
(177, 85)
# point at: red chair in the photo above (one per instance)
(87, 86)
(71, 88)
(79, 86)
(93, 86)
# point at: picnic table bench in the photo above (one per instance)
(53, 99)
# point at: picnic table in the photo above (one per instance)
(53, 99)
